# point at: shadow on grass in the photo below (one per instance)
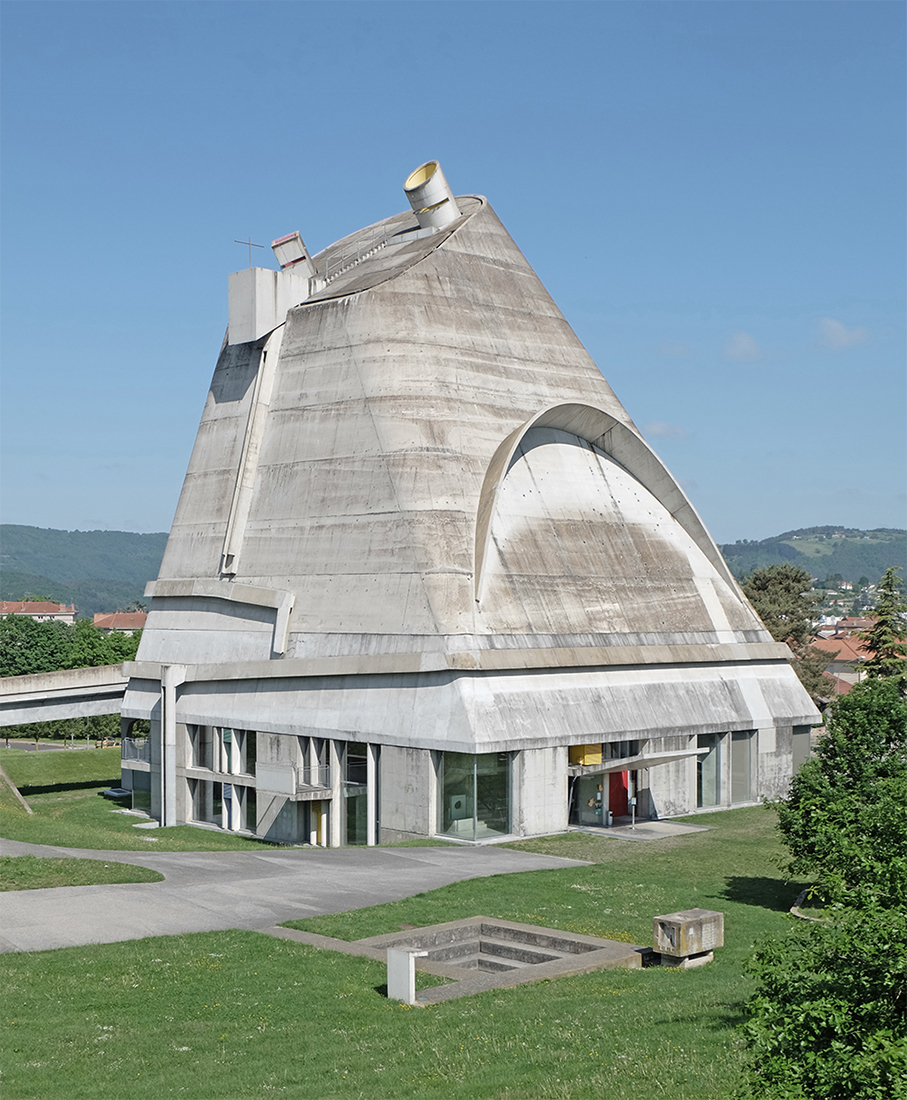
(724, 1016)
(58, 788)
(767, 893)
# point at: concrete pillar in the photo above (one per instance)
(171, 677)
(334, 839)
(372, 794)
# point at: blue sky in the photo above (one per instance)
(713, 193)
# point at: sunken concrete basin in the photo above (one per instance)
(482, 953)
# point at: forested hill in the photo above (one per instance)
(95, 570)
(108, 570)
(824, 552)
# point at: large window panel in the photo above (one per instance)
(474, 795)
(708, 770)
(742, 765)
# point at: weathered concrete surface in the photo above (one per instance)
(73, 693)
(204, 891)
(464, 542)
(378, 508)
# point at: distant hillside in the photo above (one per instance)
(824, 551)
(107, 570)
(95, 570)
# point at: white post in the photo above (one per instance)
(401, 974)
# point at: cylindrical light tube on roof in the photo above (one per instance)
(430, 196)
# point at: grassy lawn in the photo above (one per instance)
(238, 1014)
(732, 867)
(64, 790)
(39, 873)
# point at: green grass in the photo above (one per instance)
(38, 771)
(39, 873)
(238, 1014)
(65, 791)
(732, 867)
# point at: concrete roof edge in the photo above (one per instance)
(478, 661)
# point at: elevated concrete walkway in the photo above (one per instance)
(72, 693)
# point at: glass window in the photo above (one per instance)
(708, 770)
(249, 751)
(356, 764)
(226, 736)
(742, 765)
(588, 800)
(620, 750)
(474, 794)
(251, 808)
(217, 803)
(200, 738)
(801, 745)
(355, 794)
(141, 791)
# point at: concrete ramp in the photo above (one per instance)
(72, 693)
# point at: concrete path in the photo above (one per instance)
(204, 891)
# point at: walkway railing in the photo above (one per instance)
(136, 748)
(355, 252)
(319, 776)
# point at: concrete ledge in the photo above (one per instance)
(479, 660)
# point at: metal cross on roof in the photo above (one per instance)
(251, 246)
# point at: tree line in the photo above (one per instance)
(828, 1018)
(783, 598)
(28, 646)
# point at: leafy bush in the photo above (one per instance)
(845, 820)
(828, 1020)
(28, 646)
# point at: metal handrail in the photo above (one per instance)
(135, 748)
(319, 776)
(355, 252)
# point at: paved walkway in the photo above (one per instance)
(205, 891)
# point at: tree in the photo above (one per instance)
(28, 646)
(885, 640)
(845, 819)
(783, 599)
(827, 1021)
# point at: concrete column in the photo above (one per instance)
(372, 793)
(171, 677)
(334, 832)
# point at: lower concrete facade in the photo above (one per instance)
(303, 788)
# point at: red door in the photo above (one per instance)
(617, 793)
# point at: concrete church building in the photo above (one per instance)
(426, 577)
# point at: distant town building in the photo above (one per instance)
(844, 655)
(122, 622)
(39, 610)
